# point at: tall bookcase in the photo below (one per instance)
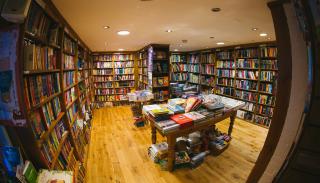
(193, 59)
(179, 67)
(158, 71)
(113, 77)
(54, 91)
(207, 71)
(143, 69)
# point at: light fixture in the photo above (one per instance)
(123, 33)
(216, 9)
(269, 38)
(106, 27)
(263, 34)
(180, 45)
(254, 29)
(120, 49)
(220, 43)
(169, 30)
(211, 37)
(175, 50)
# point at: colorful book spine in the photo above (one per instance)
(225, 81)
(69, 78)
(248, 63)
(246, 84)
(68, 62)
(226, 73)
(245, 74)
(245, 95)
(269, 52)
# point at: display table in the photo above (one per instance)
(205, 124)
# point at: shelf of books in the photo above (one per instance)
(207, 73)
(158, 71)
(179, 67)
(193, 60)
(143, 69)
(51, 78)
(225, 72)
(113, 77)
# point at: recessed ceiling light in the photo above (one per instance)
(169, 30)
(106, 27)
(175, 50)
(211, 37)
(263, 34)
(254, 29)
(269, 38)
(120, 49)
(216, 9)
(180, 45)
(220, 43)
(123, 33)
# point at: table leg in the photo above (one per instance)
(232, 118)
(153, 134)
(171, 152)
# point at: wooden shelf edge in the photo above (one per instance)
(61, 143)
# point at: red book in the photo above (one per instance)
(183, 120)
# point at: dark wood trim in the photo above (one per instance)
(283, 93)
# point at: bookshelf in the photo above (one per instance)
(143, 69)
(179, 67)
(207, 72)
(158, 71)
(193, 60)
(113, 76)
(54, 72)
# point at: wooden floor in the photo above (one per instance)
(118, 153)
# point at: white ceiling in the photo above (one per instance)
(147, 21)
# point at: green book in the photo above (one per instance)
(30, 173)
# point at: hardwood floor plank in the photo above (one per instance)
(118, 153)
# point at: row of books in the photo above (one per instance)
(244, 74)
(208, 58)
(224, 90)
(62, 162)
(102, 72)
(103, 65)
(160, 81)
(42, 87)
(194, 78)
(267, 75)
(265, 87)
(248, 116)
(225, 64)
(124, 84)
(113, 57)
(265, 110)
(194, 58)
(143, 70)
(269, 52)
(124, 71)
(194, 68)
(266, 121)
(224, 55)
(69, 78)
(226, 73)
(225, 81)
(248, 53)
(207, 69)
(42, 117)
(246, 84)
(72, 113)
(39, 58)
(103, 85)
(110, 98)
(103, 78)
(179, 76)
(104, 91)
(249, 106)
(269, 64)
(179, 67)
(177, 58)
(69, 46)
(123, 64)
(40, 25)
(70, 95)
(160, 67)
(266, 99)
(245, 95)
(161, 95)
(142, 63)
(143, 78)
(124, 77)
(248, 63)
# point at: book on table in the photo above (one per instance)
(182, 120)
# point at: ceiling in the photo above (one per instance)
(148, 21)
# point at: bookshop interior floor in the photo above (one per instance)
(118, 152)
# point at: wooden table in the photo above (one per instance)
(172, 136)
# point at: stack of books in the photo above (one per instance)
(192, 104)
(160, 114)
(158, 151)
(176, 105)
(167, 126)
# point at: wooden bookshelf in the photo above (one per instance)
(179, 67)
(113, 76)
(51, 52)
(193, 60)
(207, 71)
